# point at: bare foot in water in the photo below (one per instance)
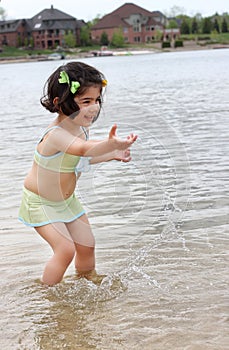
(91, 276)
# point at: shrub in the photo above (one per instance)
(178, 43)
(203, 37)
(165, 44)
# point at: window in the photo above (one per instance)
(137, 27)
(137, 39)
(150, 28)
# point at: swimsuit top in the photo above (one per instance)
(60, 161)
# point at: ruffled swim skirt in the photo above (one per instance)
(38, 211)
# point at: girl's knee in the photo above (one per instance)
(85, 258)
(66, 253)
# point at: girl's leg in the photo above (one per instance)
(63, 248)
(84, 241)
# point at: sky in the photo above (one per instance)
(89, 9)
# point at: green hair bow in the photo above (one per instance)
(64, 79)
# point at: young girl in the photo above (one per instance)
(49, 204)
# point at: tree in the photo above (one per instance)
(104, 39)
(158, 35)
(85, 36)
(216, 26)
(172, 24)
(224, 27)
(184, 27)
(207, 26)
(70, 39)
(194, 26)
(94, 21)
(3, 14)
(175, 11)
(118, 39)
(198, 17)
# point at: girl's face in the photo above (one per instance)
(89, 106)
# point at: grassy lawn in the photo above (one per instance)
(222, 38)
(213, 38)
(16, 52)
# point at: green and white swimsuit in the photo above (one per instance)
(38, 211)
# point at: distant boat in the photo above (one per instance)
(56, 56)
(102, 53)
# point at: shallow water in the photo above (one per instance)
(161, 222)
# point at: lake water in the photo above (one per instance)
(161, 221)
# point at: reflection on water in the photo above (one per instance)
(161, 221)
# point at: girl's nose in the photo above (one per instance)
(94, 108)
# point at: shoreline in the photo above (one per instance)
(188, 46)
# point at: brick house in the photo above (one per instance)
(45, 30)
(14, 32)
(49, 27)
(137, 24)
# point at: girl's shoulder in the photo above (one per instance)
(57, 134)
(50, 128)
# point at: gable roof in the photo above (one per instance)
(53, 18)
(51, 14)
(129, 9)
(10, 26)
(117, 17)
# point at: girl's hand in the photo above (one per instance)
(122, 156)
(120, 144)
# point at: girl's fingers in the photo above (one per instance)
(112, 132)
(132, 138)
(126, 160)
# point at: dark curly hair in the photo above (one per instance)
(86, 75)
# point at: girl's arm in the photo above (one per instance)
(122, 156)
(66, 142)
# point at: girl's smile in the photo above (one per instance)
(89, 105)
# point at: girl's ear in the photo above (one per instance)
(55, 101)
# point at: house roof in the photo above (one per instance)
(129, 9)
(9, 26)
(117, 17)
(110, 21)
(54, 19)
(51, 14)
(158, 13)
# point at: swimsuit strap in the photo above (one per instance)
(85, 133)
(47, 131)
